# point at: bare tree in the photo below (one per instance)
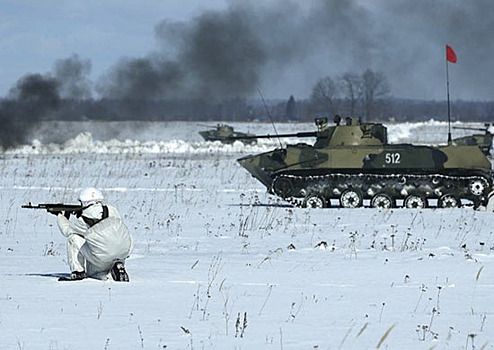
(374, 86)
(324, 95)
(351, 84)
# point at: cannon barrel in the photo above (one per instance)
(486, 129)
(208, 126)
(298, 134)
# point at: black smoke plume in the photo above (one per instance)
(72, 75)
(286, 46)
(33, 96)
(283, 47)
(217, 56)
(38, 93)
(37, 97)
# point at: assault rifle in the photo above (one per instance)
(75, 209)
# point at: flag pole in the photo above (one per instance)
(449, 110)
(450, 57)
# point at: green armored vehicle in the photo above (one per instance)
(484, 141)
(354, 162)
(226, 134)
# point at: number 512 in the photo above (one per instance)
(392, 158)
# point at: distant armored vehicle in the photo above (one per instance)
(484, 141)
(354, 162)
(226, 134)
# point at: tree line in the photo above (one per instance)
(350, 94)
(366, 95)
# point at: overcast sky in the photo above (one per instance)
(291, 43)
(33, 34)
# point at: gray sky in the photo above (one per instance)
(291, 43)
(33, 34)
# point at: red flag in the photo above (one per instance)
(450, 54)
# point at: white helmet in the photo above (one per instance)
(90, 195)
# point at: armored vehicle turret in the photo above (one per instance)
(484, 141)
(226, 134)
(353, 163)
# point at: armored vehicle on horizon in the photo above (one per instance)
(354, 162)
(226, 134)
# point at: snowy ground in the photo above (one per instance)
(219, 264)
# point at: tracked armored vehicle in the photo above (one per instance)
(484, 141)
(354, 163)
(226, 134)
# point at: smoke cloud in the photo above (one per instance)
(36, 97)
(72, 75)
(41, 92)
(216, 56)
(284, 47)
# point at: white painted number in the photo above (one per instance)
(392, 158)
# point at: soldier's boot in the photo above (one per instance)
(74, 276)
(118, 272)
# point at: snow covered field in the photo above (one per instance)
(220, 264)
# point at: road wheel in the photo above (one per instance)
(477, 187)
(283, 187)
(315, 201)
(415, 201)
(449, 201)
(382, 201)
(351, 198)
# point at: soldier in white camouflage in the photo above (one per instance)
(98, 242)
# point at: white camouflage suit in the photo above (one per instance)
(96, 248)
